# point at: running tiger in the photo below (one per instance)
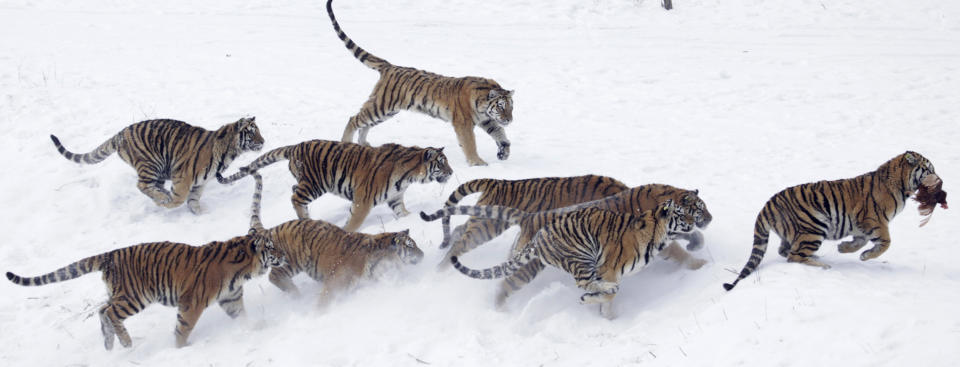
(465, 102)
(365, 175)
(529, 195)
(173, 150)
(636, 200)
(596, 246)
(329, 254)
(173, 274)
(805, 215)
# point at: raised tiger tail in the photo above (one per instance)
(761, 235)
(499, 271)
(365, 57)
(264, 160)
(255, 222)
(72, 271)
(468, 188)
(502, 213)
(96, 156)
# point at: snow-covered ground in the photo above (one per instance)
(738, 98)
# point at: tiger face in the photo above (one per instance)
(692, 203)
(438, 169)
(682, 219)
(248, 137)
(406, 248)
(500, 106)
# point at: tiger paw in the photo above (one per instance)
(476, 162)
(696, 241)
(694, 264)
(163, 199)
(503, 152)
(195, 207)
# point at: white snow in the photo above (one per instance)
(738, 98)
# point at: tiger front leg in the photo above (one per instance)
(881, 242)
(468, 142)
(358, 212)
(282, 278)
(232, 303)
(396, 204)
(674, 252)
(853, 245)
(187, 316)
(496, 132)
(193, 200)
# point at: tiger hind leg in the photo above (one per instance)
(473, 233)
(517, 280)
(302, 196)
(111, 321)
(784, 249)
(152, 186)
(367, 118)
(803, 248)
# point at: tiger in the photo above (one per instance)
(173, 274)
(161, 150)
(636, 200)
(863, 206)
(329, 254)
(367, 176)
(531, 195)
(633, 200)
(465, 102)
(598, 247)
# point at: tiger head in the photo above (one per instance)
(248, 135)
(915, 171)
(691, 202)
(434, 162)
(499, 105)
(263, 248)
(405, 247)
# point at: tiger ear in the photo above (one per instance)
(911, 159)
(406, 232)
(252, 232)
(510, 93)
(696, 192)
(493, 94)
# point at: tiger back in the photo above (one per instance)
(188, 156)
(173, 274)
(803, 216)
(597, 247)
(367, 176)
(529, 195)
(465, 102)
